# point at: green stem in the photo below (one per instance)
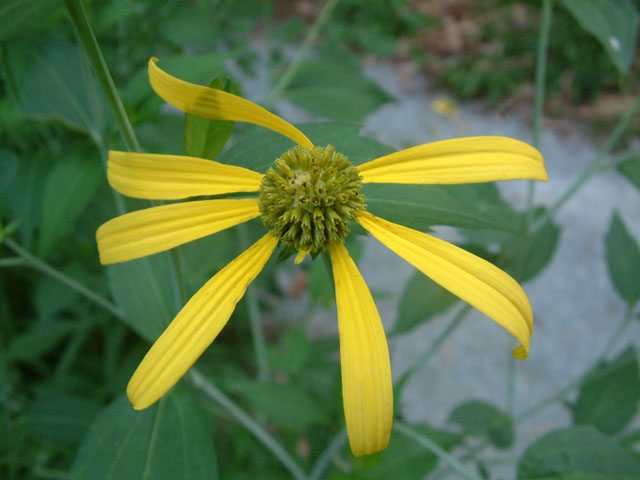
(81, 22)
(325, 457)
(255, 319)
(511, 384)
(437, 450)
(576, 382)
(541, 67)
(180, 287)
(594, 167)
(47, 269)
(433, 348)
(301, 54)
(206, 387)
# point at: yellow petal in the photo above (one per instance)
(460, 160)
(218, 105)
(170, 177)
(196, 326)
(142, 233)
(471, 278)
(367, 392)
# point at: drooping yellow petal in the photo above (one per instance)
(142, 233)
(218, 105)
(196, 326)
(367, 391)
(170, 177)
(471, 278)
(459, 160)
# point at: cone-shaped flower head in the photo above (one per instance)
(306, 200)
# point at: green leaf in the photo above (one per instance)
(59, 85)
(168, 440)
(285, 404)
(421, 300)
(42, 337)
(481, 419)
(205, 138)
(580, 453)
(404, 458)
(259, 150)
(52, 297)
(623, 260)
(143, 289)
(8, 168)
(59, 417)
(613, 22)
(631, 170)
(292, 352)
(609, 397)
(525, 257)
(477, 206)
(335, 90)
(68, 189)
(19, 17)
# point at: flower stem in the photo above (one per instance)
(541, 67)
(255, 319)
(325, 457)
(436, 449)
(594, 167)
(433, 348)
(206, 387)
(301, 54)
(47, 269)
(81, 22)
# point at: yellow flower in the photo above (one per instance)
(366, 372)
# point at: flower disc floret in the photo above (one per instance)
(309, 196)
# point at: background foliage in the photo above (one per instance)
(72, 332)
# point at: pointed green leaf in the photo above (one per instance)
(168, 440)
(623, 259)
(205, 138)
(609, 397)
(481, 419)
(8, 168)
(613, 22)
(69, 188)
(580, 453)
(631, 170)
(421, 300)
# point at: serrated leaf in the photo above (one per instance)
(335, 90)
(526, 257)
(68, 189)
(577, 453)
(631, 170)
(421, 299)
(613, 22)
(205, 138)
(404, 458)
(168, 440)
(59, 85)
(143, 289)
(481, 419)
(623, 260)
(609, 397)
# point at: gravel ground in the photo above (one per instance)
(576, 308)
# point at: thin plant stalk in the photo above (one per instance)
(437, 450)
(92, 48)
(541, 68)
(325, 457)
(48, 270)
(213, 393)
(301, 54)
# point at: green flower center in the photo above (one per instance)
(308, 197)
